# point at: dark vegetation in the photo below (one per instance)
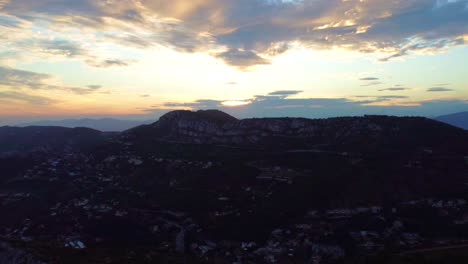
(193, 187)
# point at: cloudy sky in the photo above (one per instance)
(311, 58)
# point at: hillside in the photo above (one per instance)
(205, 187)
(28, 139)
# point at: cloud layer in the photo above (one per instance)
(280, 103)
(18, 79)
(439, 89)
(26, 98)
(20, 86)
(242, 33)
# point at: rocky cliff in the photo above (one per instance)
(216, 127)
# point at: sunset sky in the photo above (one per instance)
(252, 58)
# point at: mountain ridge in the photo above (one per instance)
(101, 124)
(36, 138)
(201, 128)
(456, 119)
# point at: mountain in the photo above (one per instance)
(391, 145)
(205, 187)
(104, 124)
(458, 119)
(58, 139)
(356, 133)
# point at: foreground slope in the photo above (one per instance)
(204, 187)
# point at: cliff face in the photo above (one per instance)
(238, 131)
(215, 127)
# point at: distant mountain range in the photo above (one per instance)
(104, 124)
(457, 119)
(22, 140)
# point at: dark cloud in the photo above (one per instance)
(241, 58)
(94, 87)
(268, 106)
(20, 79)
(22, 97)
(58, 47)
(68, 49)
(285, 93)
(439, 89)
(109, 63)
(430, 47)
(394, 89)
(59, 7)
(370, 81)
(145, 95)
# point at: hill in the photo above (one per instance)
(458, 119)
(103, 124)
(367, 133)
(30, 139)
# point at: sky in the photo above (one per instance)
(137, 59)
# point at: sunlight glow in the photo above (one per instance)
(235, 103)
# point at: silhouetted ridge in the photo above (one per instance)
(214, 116)
(38, 138)
(367, 132)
